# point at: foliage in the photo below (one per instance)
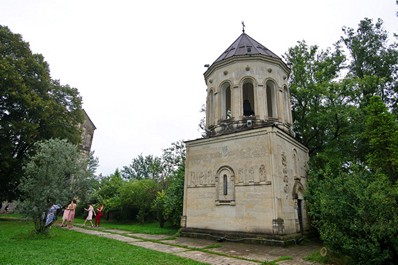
(202, 122)
(373, 62)
(158, 207)
(148, 167)
(139, 194)
(156, 168)
(33, 107)
(352, 138)
(173, 157)
(168, 204)
(174, 197)
(381, 131)
(149, 186)
(54, 175)
(357, 214)
(319, 102)
(108, 192)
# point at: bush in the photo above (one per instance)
(356, 214)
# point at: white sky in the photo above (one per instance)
(139, 64)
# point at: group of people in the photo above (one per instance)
(92, 212)
(69, 214)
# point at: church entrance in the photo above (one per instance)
(300, 215)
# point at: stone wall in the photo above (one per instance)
(245, 182)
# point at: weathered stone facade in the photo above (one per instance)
(249, 174)
(88, 129)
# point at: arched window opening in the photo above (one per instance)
(271, 108)
(287, 104)
(225, 184)
(226, 102)
(248, 99)
(210, 107)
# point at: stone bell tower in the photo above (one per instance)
(247, 177)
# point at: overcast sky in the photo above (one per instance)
(139, 64)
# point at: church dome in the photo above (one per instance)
(246, 89)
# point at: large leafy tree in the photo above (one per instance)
(319, 101)
(169, 201)
(140, 195)
(108, 192)
(55, 174)
(351, 135)
(381, 133)
(33, 107)
(357, 214)
(173, 199)
(373, 62)
(143, 167)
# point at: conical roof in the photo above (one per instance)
(245, 45)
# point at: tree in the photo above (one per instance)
(139, 194)
(320, 105)
(33, 107)
(381, 132)
(148, 167)
(53, 175)
(108, 192)
(87, 185)
(173, 158)
(373, 63)
(357, 214)
(174, 197)
(352, 139)
(158, 207)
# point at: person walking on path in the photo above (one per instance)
(65, 216)
(71, 216)
(90, 211)
(100, 211)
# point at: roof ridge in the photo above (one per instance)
(245, 45)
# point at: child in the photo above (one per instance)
(90, 211)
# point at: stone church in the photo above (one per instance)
(245, 180)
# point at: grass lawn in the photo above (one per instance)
(147, 228)
(20, 245)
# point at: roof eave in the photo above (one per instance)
(232, 59)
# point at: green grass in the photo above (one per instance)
(275, 262)
(331, 258)
(147, 228)
(20, 245)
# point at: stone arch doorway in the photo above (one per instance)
(298, 196)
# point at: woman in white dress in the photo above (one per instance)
(90, 214)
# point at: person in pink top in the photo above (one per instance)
(72, 209)
(65, 216)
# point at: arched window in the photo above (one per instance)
(225, 186)
(226, 101)
(271, 102)
(287, 104)
(248, 99)
(210, 108)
